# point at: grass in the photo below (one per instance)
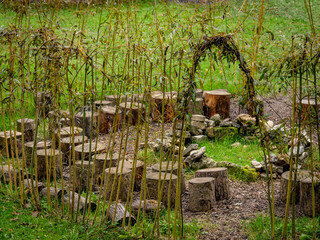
(243, 155)
(259, 228)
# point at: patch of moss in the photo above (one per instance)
(245, 174)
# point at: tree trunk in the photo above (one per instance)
(217, 102)
(202, 194)
(48, 163)
(306, 205)
(88, 148)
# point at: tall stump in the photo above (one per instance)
(88, 121)
(39, 145)
(110, 117)
(202, 194)
(102, 162)
(152, 181)
(217, 102)
(28, 128)
(67, 144)
(221, 181)
(82, 179)
(131, 111)
(48, 163)
(163, 105)
(306, 205)
(136, 166)
(171, 166)
(114, 179)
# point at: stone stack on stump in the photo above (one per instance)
(29, 146)
(48, 158)
(88, 121)
(28, 129)
(170, 166)
(306, 189)
(67, 132)
(220, 175)
(202, 194)
(168, 100)
(101, 159)
(82, 179)
(137, 168)
(115, 178)
(87, 149)
(67, 146)
(217, 102)
(110, 118)
(131, 111)
(167, 182)
(12, 139)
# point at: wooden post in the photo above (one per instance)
(202, 194)
(217, 102)
(29, 146)
(67, 143)
(28, 128)
(117, 177)
(108, 117)
(168, 166)
(221, 181)
(47, 157)
(152, 180)
(99, 163)
(94, 149)
(81, 180)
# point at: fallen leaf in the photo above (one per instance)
(4, 208)
(14, 219)
(35, 213)
(16, 213)
(10, 230)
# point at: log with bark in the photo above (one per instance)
(202, 194)
(217, 102)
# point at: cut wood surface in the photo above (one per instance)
(39, 145)
(67, 132)
(82, 178)
(12, 139)
(132, 111)
(202, 194)
(68, 143)
(48, 163)
(88, 121)
(306, 188)
(89, 149)
(29, 127)
(168, 184)
(134, 166)
(221, 181)
(217, 102)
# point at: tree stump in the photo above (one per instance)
(196, 107)
(120, 179)
(7, 173)
(306, 205)
(95, 149)
(82, 179)
(118, 214)
(103, 103)
(13, 140)
(85, 120)
(168, 100)
(138, 166)
(67, 132)
(301, 174)
(29, 146)
(168, 166)
(115, 99)
(47, 163)
(109, 118)
(43, 102)
(28, 128)
(28, 185)
(217, 102)
(202, 194)
(99, 163)
(308, 111)
(152, 181)
(131, 111)
(58, 118)
(221, 181)
(67, 143)
(139, 97)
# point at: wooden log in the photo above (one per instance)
(171, 166)
(117, 214)
(131, 111)
(196, 107)
(12, 139)
(114, 178)
(217, 102)
(168, 100)
(202, 194)
(87, 121)
(29, 128)
(47, 163)
(100, 160)
(306, 205)
(67, 144)
(152, 181)
(102, 103)
(301, 174)
(149, 206)
(7, 173)
(138, 166)
(71, 199)
(67, 132)
(221, 181)
(115, 99)
(39, 145)
(82, 179)
(28, 185)
(89, 149)
(110, 117)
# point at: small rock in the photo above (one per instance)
(199, 125)
(190, 148)
(269, 125)
(226, 123)
(217, 119)
(245, 146)
(295, 150)
(197, 154)
(195, 131)
(236, 144)
(246, 119)
(210, 123)
(198, 118)
(199, 138)
(264, 176)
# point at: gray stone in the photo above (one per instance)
(273, 158)
(197, 154)
(295, 150)
(217, 119)
(195, 131)
(264, 176)
(256, 165)
(190, 148)
(246, 119)
(279, 169)
(269, 125)
(199, 125)
(236, 144)
(198, 118)
(226, 123)
(210, 123)
(199, 138)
